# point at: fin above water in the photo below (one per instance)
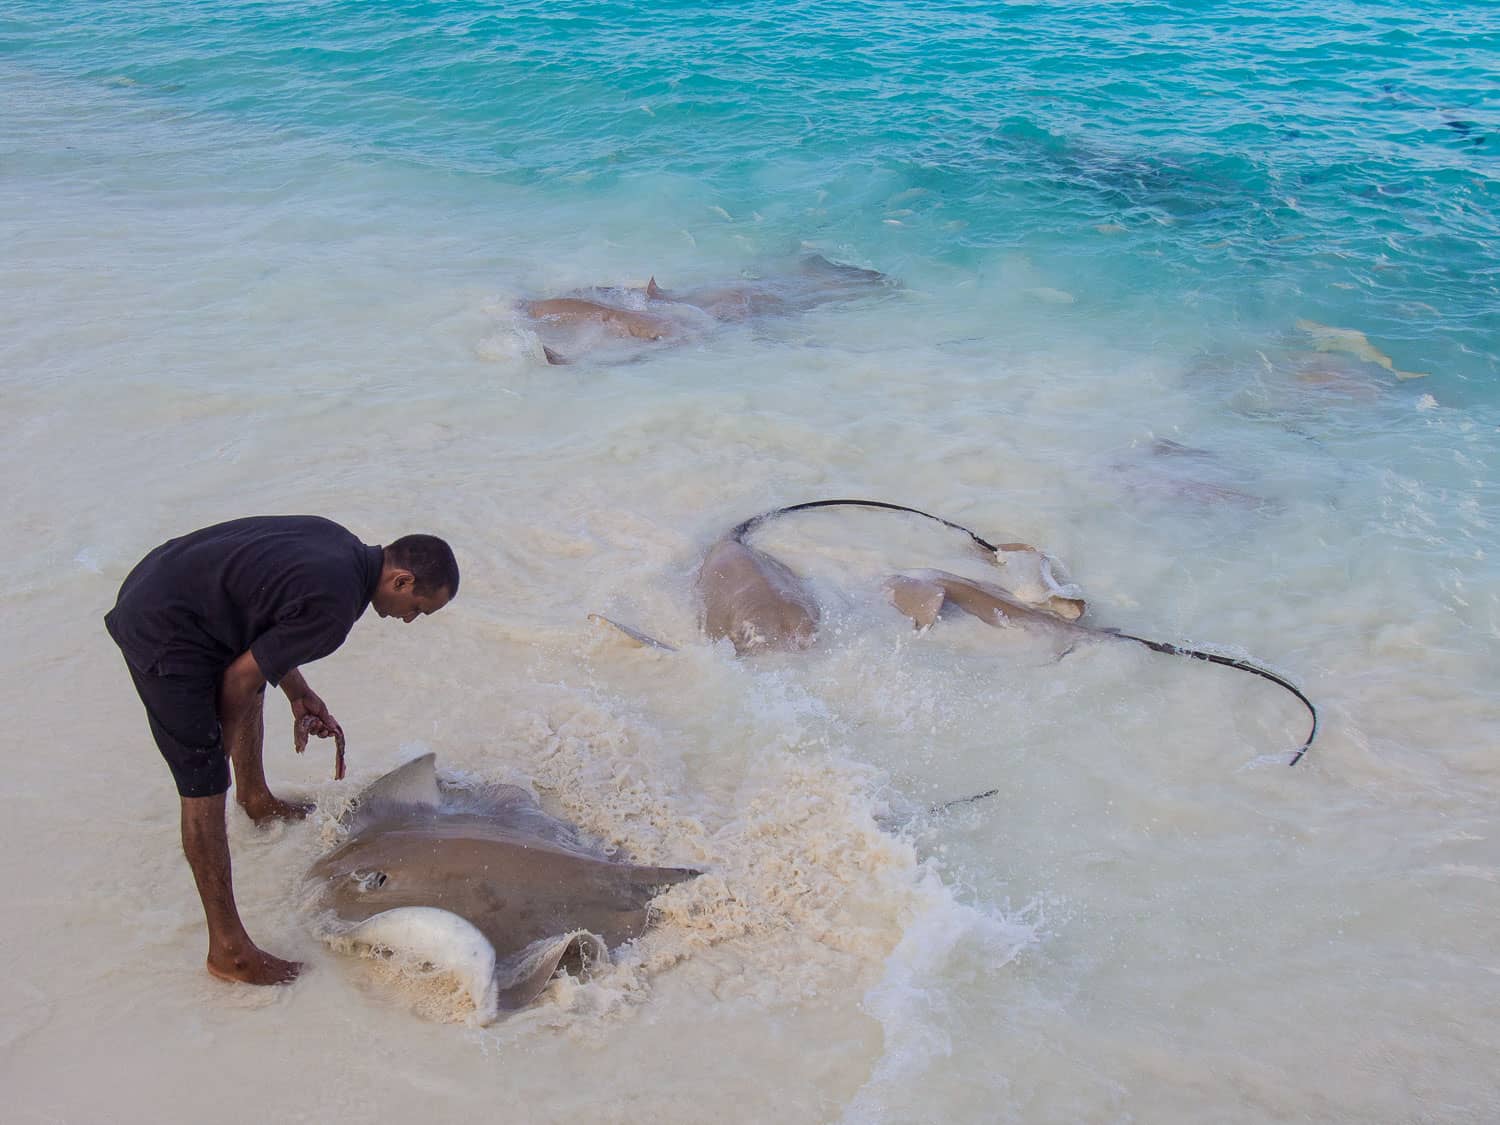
(640, 639)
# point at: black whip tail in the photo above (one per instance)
(944, 806)
(744, 529)
(739, 532)
(1243, 666)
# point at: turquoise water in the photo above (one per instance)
(1265, 162)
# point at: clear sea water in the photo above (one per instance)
(1205, 298)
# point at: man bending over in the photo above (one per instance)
(205, 621)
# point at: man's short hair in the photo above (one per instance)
(430, 561)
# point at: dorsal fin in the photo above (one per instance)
(414, 783)
(410, 786)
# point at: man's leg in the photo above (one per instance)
(243, 721)
(232, 955)
(186, 725)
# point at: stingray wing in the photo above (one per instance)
(447, 941)
(520, 978)
(440, 938)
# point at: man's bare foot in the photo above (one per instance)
(265, 809)
(252, 966)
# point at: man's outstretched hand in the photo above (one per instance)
(310, 716)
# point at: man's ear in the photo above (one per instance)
(402, 579)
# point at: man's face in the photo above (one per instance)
(397, 596)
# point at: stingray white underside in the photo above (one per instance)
(429, 937)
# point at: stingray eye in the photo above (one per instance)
(369, 880)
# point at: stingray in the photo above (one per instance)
(486, 886)
(753, 599)
(756, 601)
(587, 319)
(1182, 472)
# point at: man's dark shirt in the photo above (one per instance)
(287, 588)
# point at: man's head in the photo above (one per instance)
(418, 575)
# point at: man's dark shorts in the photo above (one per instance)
(184, 717)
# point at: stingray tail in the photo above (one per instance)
(1243, 666)
(944, 806)
(638, 638)
(741, 530)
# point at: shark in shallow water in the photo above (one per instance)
(484, 885)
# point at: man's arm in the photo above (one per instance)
(310, 715)
(243, 679)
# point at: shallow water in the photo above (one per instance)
(265, 259)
